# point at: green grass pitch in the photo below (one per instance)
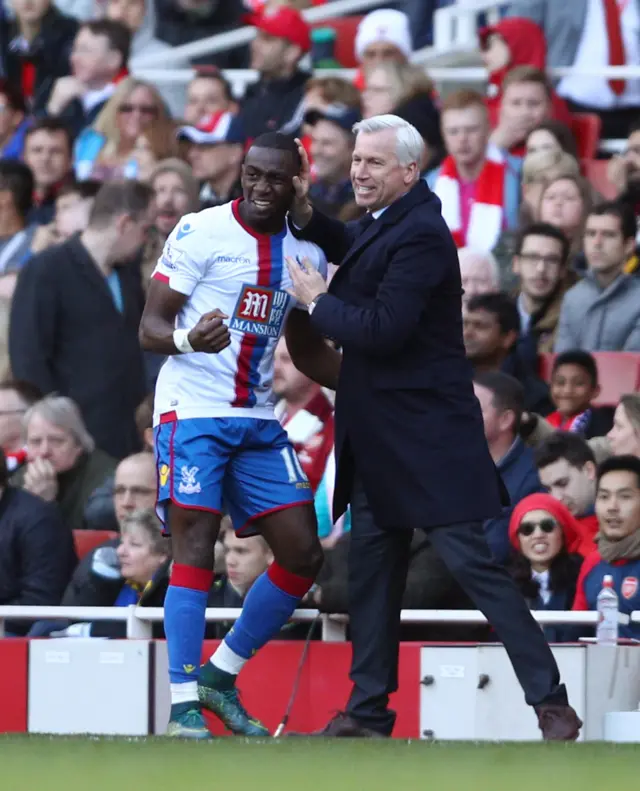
(34, 763)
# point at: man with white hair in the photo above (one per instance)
(409, 437)
(479, 273)
(63, 463)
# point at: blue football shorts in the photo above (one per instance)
(243, 466)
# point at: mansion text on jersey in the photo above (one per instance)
(254, 327)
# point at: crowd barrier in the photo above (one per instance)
(139, 620)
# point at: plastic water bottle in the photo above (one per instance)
(607, 628)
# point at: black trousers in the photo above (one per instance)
(378, 564)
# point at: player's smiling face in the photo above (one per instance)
(267, 186)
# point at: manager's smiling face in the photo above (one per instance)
(377, 174)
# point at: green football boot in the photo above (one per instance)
(186, 722)
(217, 693)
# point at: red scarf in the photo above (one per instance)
(485, 222)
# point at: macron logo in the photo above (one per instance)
(184, 231)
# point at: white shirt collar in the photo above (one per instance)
(379, 212)
(542, 578)
(92, 99)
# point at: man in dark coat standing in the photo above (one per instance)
(75, 313)
(410, 445)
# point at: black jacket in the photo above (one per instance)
(406, 416)
(76, 118)
(49, 53)
(66, 335)
(176, 26)
(273, 105)
(37, 556)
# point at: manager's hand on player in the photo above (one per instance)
(301, 210)
(210, 334)
(308, 283)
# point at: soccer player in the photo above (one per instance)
(217, 304)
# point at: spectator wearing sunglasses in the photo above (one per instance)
(548, 550)
(110, 150)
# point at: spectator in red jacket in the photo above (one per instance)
(511, 43)
(567, 469)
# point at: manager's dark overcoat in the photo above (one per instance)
(406, 416)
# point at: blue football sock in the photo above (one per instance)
(267, 608)
(184, 621)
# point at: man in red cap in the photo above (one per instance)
(274, 103)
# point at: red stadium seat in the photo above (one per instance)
(619, 373)
(86, 540)
(595, 171)
(586, 130)
(346, 28)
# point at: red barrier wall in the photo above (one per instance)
(266, 685)
(14, 664)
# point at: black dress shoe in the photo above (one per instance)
(342, 726)
(558, 723)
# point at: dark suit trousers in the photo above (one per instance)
(378, 564)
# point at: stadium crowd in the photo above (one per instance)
(98, 166)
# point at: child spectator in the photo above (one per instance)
(511, 43)
(548, 553)
(618, 553)
(574, 386)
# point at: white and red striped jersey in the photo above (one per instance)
(218, 262)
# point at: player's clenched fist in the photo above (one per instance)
(210, 334)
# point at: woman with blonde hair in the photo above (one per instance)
(133, 123)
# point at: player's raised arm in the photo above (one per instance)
(158, 331)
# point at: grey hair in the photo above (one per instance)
(147, 519)
(64, 413)
(467, 253)
(409, 143)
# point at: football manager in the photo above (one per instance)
(410, 446)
